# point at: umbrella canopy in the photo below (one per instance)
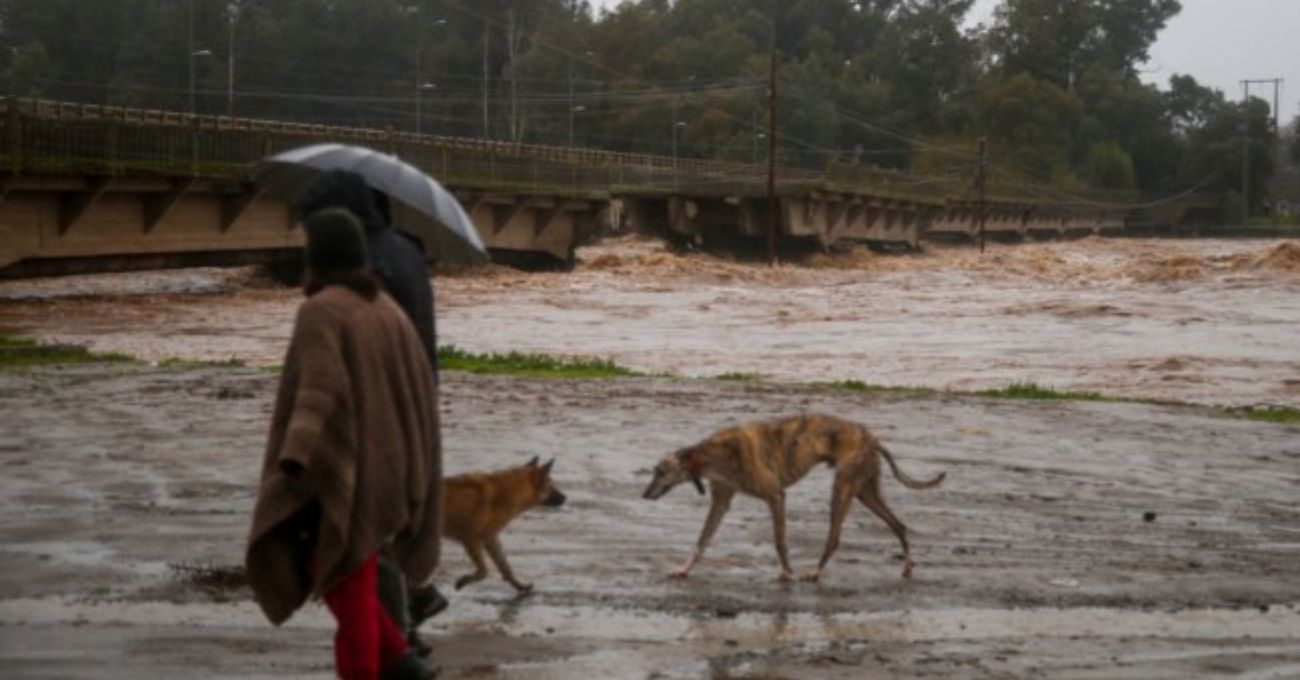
(421, 207)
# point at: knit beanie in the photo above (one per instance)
(334, 241)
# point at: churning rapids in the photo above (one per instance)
(1205, 321)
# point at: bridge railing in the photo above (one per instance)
(62, 136)
(86, 138)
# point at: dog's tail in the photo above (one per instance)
(902, 476)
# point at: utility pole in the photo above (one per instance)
(571, 110)
(774, 206)
(420, 85)
(193, 53)
(981, 187)
(232, 11)
(676, 124)
(1245, 153)
(1245, 137)
(575, 108)
(1277, 86)
(486, 27)
(190, 55)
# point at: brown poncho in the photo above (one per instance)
(357, 409)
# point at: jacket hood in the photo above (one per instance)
(346, 190)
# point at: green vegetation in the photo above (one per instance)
(179, 364)
(1028, 390)
(19, 353)
(853, 386)
(1275, 414)
(16, 352)
(859, 386)
(519, 365)
(25, 353)
(739, 377)
(1290, 221)
(902, 84)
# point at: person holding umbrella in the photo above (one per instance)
(352, 462)
(331, 174)
(395, 258)
(400, 265)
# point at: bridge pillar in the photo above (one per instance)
(516, 227)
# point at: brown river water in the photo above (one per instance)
(1205, 321)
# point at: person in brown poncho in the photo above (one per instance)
(352, 462)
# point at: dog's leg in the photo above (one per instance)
(841, 500)
(872, 498)
(721, 501)
(777, 505)
(475, 552)
(499, 558)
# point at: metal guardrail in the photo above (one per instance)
(44, 135)
(60, 136)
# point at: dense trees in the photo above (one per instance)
(905, 84)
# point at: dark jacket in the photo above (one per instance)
(400, 264)
(395, 258)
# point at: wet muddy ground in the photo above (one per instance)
(1070, 540)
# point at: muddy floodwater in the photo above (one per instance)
(1202, 321)
(1070, 539)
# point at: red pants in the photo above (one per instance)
(367, 641)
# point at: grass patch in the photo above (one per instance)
(1034, 391)
(1272, 414)
(1291, 221)
(179, 364)
(859, 386)
(26, 353)
(453, 358)
(853, 386)
(738, 377)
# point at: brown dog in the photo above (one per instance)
(762, 459)
(478, 506)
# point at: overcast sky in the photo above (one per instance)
(1220, 42)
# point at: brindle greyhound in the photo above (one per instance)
(762, 459)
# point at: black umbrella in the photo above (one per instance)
(421, 207)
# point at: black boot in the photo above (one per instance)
(418, 644)
(411, 667)
(425, 603)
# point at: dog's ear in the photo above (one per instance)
(533, 462)
(547, 467)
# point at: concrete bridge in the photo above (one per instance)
(85, 188)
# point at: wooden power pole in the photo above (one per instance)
(1245, 137)
(981, 187)
(774, 205)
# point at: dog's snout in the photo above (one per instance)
(554, 500)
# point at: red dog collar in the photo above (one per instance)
(695, 466)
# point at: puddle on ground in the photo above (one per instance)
(1280, 622)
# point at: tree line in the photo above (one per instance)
(1052, 86)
